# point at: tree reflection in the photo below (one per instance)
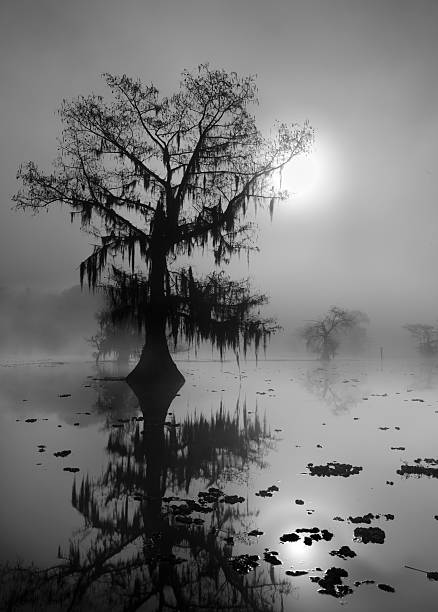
(324, 383)
(159, 526)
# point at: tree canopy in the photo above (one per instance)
(153, 177)
(322, 335)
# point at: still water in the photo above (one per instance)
(187, 500)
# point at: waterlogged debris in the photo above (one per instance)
(374, 535)
(359, 582)
(64, 395)
(243, 564)
(333, 468)
(386, 587)
(384, 428)
(30, 420)
(331, 583)
(255, 532)
(296, 573)
(71, 469)
(429, 575)
(401, 448)
(344, 552)
(270, 556)
(63, 453)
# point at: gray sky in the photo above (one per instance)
(364, 72)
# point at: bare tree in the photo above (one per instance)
(155, 177)
(426, 337)
(322, 335)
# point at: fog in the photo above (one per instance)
(363, 74)
(36, 324)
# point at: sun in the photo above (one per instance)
(300, 177)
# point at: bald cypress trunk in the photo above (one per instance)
(156, 366)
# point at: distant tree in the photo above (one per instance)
(154, 178)
(426, 337)
(322, 335)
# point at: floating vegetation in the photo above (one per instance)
(344, 552)
(386, 587)
(290, 537)
(374, 535)
(420, 470)
(367, 518)
(243, 564)
(233, 499)
(270, 556)
(333, 468)
(63, 453)
(331, 583)
(255, 532)
(267, 492)
(316, 535)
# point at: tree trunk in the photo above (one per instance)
(156, 366)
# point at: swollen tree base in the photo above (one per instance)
(155, 369)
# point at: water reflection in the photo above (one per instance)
(341, 395)
(160, 523)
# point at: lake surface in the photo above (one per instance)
(179, 502)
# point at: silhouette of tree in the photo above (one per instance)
(154, 178)
(426, 337)
(322, 336)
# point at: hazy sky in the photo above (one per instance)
(364, 72)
